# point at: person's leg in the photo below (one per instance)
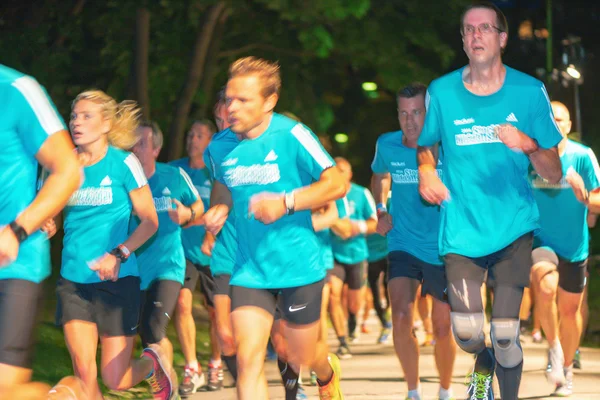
(525, 311)
(185, 327)
(336, 311)
(324, 307)
(19, 305)
(355, 278)
(376, 269)
(68, 388)
(402, 297)
(366, 309)
(252, 318)
(81, 338)
(119, 370)
(424, 305)
(223, 322)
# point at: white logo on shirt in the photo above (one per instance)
(228, 163)
(398, 164)
(257, 174)
(162, 203)
(91, 196)
(106, 181)
(166, 191)
(479, 135)
(512, 118)
(271, 156)
(464, 121)
(409, 176)
(207, 183)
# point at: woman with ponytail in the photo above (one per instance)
(99, 287)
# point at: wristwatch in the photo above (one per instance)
(289, 200)
(18, 231)
(121, 252)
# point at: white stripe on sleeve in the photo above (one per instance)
(136, 170)
(550, 108)
(189, 182)
(371, 202)
(40, 104)
(311, 145)
(594, 161)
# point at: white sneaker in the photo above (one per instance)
(414, 395)
(556, 361)
(566, 389)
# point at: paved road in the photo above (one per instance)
(374, 374)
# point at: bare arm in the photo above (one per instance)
(431, 188)
(329, 187)
(220, 205)
(143, 206)
(324, 218)
(380, 186)
(58, 157)
(546, 163)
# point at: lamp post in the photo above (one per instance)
(576, 79)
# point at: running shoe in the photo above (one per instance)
(480, 380)
(192, 381)
(429, 340)
(332, 391)
(577, 360)
(537, 337)
(215, 378)
(160, 380)
(344, 352)
(566, 389)
(384, 336)
(556, 361)
(301, 395)
(313, 378)
(364, 329)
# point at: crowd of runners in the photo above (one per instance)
(487, 189)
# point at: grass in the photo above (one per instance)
(52, 361)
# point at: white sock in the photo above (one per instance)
(193, 365)
(215, 363)
(414, 394)
(445, 393)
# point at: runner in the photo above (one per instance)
(32, 133)
(561, 251)
(99, 286)
(350, 253)
(412, 227)
(277, 155)
(479, 113)
(161, 258)
(197, 267)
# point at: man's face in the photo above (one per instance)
(411, 115)
(562, 118)
(144, 149)
(197, 140)
(481, 39)
(246, 106)
(221, 117)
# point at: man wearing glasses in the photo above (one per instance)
(492, 122)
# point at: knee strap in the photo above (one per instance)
(468, 331)
(505, 339)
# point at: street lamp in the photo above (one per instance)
(573, 75)
(571, 70)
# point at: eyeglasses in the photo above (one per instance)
(483, 29)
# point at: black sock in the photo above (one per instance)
(351, 324)
(342, 340)
(509, 380)
(231, 363)
(485, 361)
(289, 378)
(324, 383)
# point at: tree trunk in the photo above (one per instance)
(140, 66)
(195, 72)
(212, 60)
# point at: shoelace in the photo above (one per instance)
(213, 374)
(481, 384)
(188, 374)
(154, 383)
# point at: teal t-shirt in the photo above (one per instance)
(491, 201)
(162, 257)
(225, 249)
(360, 206)
(563, 219)
(324, 237)
(194, 236)
(416, 223)
(377, 245)
(97, 215)
(286, 253)
(28, 119)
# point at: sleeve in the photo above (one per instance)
(210, 166)
(342, 206)
(369, 208)
(543, 127)
(431, 132)
(134, 173)
(378, 165)
(590, 172)
(189, 194)
(312, 157)
(37, 116)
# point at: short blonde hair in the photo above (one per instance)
(124, 117)
(266, 70)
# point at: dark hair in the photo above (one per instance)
(501, 22)
(220, 100)
(412, 90)
(208, 123)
